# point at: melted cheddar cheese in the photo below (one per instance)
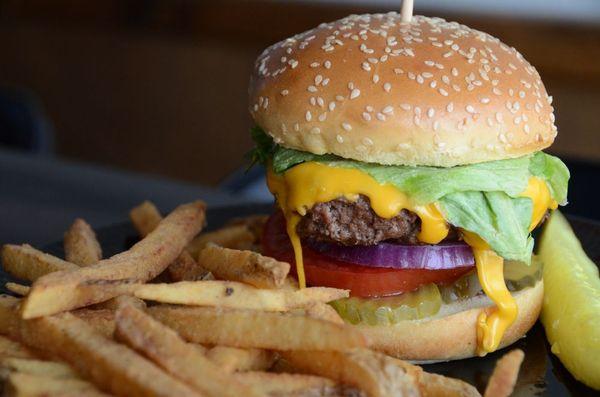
(301, 187)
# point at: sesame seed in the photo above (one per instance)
(315, 130)
(318, 79)
(447, 54)
(367, 142)
(325, 82)
(327, 65)
(293, 63)
(339, 138)
(312, 101)
(433, 83)
(375, 78)
(427, 75)
(517, 120)
(398, 71)
(315, 65)
(366, 116)
(405, 106)
(499, 117)
(312, 88)
(470, 109)
(526, 128)
(331, 106)
(347, 126)
(443, 92)
(308, 115)
(450, 107)
(388, 109)
(339, 98)
(387, 87)
(323, 116)
(420, 79)
(350, 85)
(380, 116)
(430, 112)
(369, 108)
(417, 110)
(454, 72)
(284, 92)
(355, 93)
(320, 101)
(484, 100)
(436, 125)
(429, 63)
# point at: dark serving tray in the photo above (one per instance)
(542, 374)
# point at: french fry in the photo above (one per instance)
(111, 366)
(503, 379)
(235, 295)
(28, 263)
(163, 346)
(12, 349)
(434, 385)
(114, 303)
(374, 373)
(235, 237)
(268, 383)
(27, 385)
(233, 359)
(254, 223)
(244, 266)
(324, 312)
(101, 320)
(62, 291)
(249, 328)
(50, 369)
(81, 246)
(145, 217)
(18, 289)
(185, 268)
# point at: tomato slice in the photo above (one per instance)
(362, 281)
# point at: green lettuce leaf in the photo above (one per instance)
(502, 221)
(482, 198)
(554, 172)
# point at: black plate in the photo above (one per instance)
(542, 373)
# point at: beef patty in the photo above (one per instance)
(355, 223)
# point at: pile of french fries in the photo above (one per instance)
(185, 313)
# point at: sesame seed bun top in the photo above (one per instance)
(428, 92)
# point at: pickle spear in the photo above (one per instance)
(571, 308)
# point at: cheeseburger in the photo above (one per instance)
(406, 161)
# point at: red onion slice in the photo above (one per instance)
(388, 255)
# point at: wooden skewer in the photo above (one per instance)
(407, 10)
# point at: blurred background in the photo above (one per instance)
(105, 102)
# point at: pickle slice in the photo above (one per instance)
(424, 302)
(571, 308)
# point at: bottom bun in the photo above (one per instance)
(451, 334)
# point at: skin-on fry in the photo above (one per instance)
(50, 369)
(101, 320)
(434, 385)
(111, 366)
(235, 295)
(114, 303)
(62, 291)
(249, 328)
(26, 385)
(145, 217)
(81, 246)
(269, 383)
(244, 266)
(12, 349)
(18, 289)
(255, 224)
(185, 268)
(163, 346)
(503, 379)
(375, 373)
(28, 263)
(235, 237)
(233, 359)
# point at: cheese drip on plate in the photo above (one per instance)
(298, 189)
